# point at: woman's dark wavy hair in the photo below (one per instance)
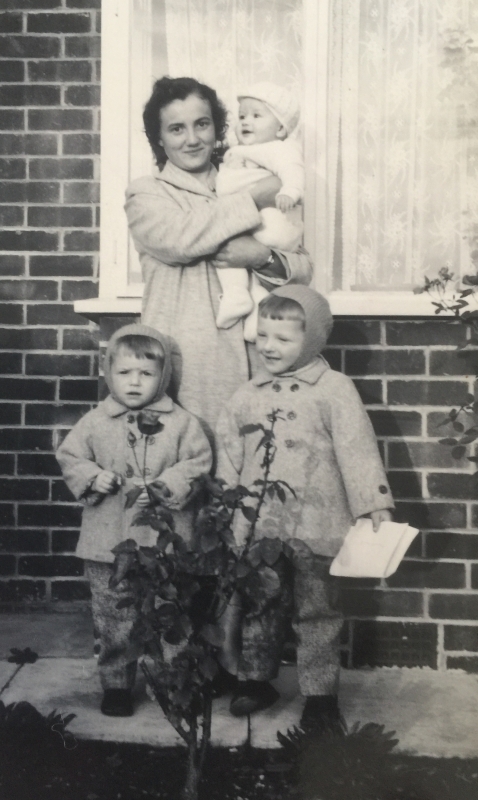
(165, 91)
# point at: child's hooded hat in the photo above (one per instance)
(279, 100)
(318, 320)
(136, 329)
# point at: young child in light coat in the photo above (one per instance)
(268, 115)
(100, 465)
(325, 450)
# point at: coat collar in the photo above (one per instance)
(115, 409)
(186, 180)
(309, 374)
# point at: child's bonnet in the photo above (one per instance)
(318, 319)
(137, 329)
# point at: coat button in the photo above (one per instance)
(289, 443)
(130, 419)
(276, 387)
(291, 415)
(383, 489)
(294, 387)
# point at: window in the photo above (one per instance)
(389, 94)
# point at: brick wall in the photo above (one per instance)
(49, 193)
(408, 372)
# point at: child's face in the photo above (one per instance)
(134, 381)
(257, 123)
(279, 343)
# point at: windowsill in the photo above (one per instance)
(343, 304)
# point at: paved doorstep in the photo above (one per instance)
(432, 713)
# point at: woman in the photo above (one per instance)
(181, 229)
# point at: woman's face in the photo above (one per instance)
(187, 133)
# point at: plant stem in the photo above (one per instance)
(7, 684)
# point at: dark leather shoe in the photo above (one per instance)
(117, 703)
(252, 696)
(320, 711)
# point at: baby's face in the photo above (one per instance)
(257, 123)
(279, 343)
(134, 381)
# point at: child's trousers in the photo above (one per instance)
(113, 626)
(316, 621)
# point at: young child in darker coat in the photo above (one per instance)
(326, 451)
(103, 457)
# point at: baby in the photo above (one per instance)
(268, 114)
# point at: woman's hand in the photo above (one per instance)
(264, 192)
(242, 252)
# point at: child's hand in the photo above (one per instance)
(143, 500)
(378, 517)
(106, 482)
(284, 202)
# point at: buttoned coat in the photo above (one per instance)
(178, 224)
(325, 450)
(99, 441)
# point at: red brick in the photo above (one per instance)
(60, 71)
(7, 514)
(22, 591)
(82, 241)
(31, 4)
(25, 439)
(12, 119)
(57, 365)
(446, 362)
(81, 143)
(12, 168)
(29, 95)
(461, 637)
(26, 388)
(12, 71)
(49, 516)
(432, 332)
(468, 664)
(38, 464)
(80, 389)
(428, 575)
(10, 413)
(82, 95)
(10, 23)
(31, 144)
(80, 340)
(374, 603)
(70, 591)
(78, 290)
(356, 332)
(428, 393)
(83, 46)
(12, 265)
(474, 516)
(52, 414)
(28, 290)
(474, 576)
(30, 46)
(61, 265)
(333, 356)
(28, 240)
(422, 454)
(58, 23)
(10, 364)
(53, 314)
(453, 606)
(7, 463)
(405, 484)
(7, 565)
(59, 119)
(15, 192)
(61, 168)
(28, 339)
(431, 514)
(23, 541)
(59, 217)
(24, 489)
(11, 314)
(451, 545)
(11, 216)
(438, 426)
(60, 493)
(50, 566)
(81, 192)
(453, 486)
(370, 391)
(64, 541)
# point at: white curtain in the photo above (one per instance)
(408, 198)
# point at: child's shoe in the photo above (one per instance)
(252, 696)
(117, 703)
(320, 712)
